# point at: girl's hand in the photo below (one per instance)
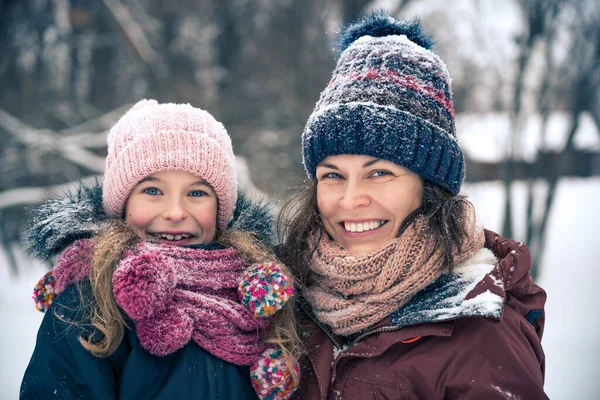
(264, 289)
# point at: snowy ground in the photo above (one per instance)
(570, 276)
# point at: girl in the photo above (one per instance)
(403, 295)
(158, 294)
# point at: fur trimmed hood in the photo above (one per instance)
(80, 215)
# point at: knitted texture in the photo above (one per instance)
(389, 97)
(352, 292)
(154, 137)
(44, 292)
(271, 377)
(176, 294)
(264, 289)
(71, 266)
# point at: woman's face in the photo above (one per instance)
(173, 207)
(363, 200)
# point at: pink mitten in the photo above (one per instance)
(143, 281)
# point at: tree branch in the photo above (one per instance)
(35, 195)
(136, 38)
(50, 141)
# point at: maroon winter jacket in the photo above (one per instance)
(473, 334)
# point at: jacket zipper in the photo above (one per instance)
(374, 331)
(356, 340)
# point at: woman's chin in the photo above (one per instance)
(358, 247)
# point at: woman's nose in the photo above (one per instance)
(355, 196)
(174, 210)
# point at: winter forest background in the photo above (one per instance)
(526, 82)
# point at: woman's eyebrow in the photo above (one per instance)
(365, 165)
(369, 163)
(325, 165)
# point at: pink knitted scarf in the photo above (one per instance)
(352, 292)
(176, 294)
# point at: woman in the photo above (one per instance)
(403, 294)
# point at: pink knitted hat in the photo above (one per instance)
(154, 137)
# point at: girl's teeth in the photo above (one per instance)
(173, 237)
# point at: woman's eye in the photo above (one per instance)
(197, 193)
(380, 173)
(152, 191)
(332, 175)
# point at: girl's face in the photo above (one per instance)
(363, 200)
(173, 207)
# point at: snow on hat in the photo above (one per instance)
(390, 98)
(154, 137)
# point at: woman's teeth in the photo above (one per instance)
(172, 237)
(362, 226)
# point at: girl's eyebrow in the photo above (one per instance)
(148, 179)
(201, 182)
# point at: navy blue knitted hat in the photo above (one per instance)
(390, 98)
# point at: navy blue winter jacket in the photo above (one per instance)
(61, 368)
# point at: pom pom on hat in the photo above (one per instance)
(271, 376)
(379, 24)
(389, 97)
(265, 289)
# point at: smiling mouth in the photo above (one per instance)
(363, 226)
(170, 237)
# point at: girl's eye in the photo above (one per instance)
(152, 191)
(380, 173)
(197, 193)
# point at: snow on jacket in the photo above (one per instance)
(472, 334)
(61, 368)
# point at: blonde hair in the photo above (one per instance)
(107, 317)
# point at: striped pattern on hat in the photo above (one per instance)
(389, 97)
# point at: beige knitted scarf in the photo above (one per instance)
(352, 292)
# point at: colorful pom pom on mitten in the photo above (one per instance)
(44, 292)
(265, 289)
(271, 376)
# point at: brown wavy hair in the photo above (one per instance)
(445, 216)
(109, 319)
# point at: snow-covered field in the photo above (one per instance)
(570, 276)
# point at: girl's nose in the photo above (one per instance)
(174, 211)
